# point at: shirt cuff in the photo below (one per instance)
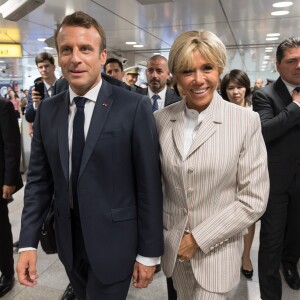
(26, 249)
(148, 261)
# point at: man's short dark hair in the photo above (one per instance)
(44, 56)
(112, 61)
(81, 19)
(292, 42)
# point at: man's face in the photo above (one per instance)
(131, 79)
(289, 67)
(157, 74)
(79, 57)
(258, 83)
(46, 69)
(114, 70)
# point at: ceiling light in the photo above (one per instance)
(280, 13)
(272, 39)
(283, 4)
(268, 50)
(273, 34)
(130, 43)
(145, 2)
(266, 57)
(264, 62)
(138, 46)
(41, 40)
(1, 61)
(156, 53)
(48, 48)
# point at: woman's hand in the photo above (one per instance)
(188, 247)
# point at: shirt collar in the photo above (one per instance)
(193, 114)
(289, 86)
(162, 93)
(92, 94)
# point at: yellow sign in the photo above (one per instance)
(10, 50)
(9, 35)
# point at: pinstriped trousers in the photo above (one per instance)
(188, 288)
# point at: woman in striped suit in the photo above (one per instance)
(214, 173)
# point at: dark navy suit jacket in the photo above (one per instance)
(280, 119)
(119, 185)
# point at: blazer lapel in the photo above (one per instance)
(100, 113)
(63, 140)
(178, 128)
(209, 124)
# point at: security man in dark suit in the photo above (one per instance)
(278, 105)
(95, 159)
(10, 182)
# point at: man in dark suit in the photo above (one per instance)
(10, 182)
(107, 191)
(278, 105)
(158, 74)
(46, 67)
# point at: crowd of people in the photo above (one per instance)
(176, 174)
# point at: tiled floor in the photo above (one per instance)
(53, 280)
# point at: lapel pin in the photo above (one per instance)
(104, 104)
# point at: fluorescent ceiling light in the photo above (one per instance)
(264, 62)
(266, 57)
(48, 48)
(272, 39)
(283, 4)
(145, 2)
(41, 40)
(130, 43)
(138, 46)
(156, 53)
(273, 34)
(268, 50)
(280, 13)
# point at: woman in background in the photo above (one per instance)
(15, 100)
(235, 87)
(214, 173)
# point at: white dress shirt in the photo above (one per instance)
(162, 94)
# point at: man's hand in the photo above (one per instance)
(142, 275)
(188, 247)
(30, 130)
(26, 268)
(7, 191)
(36, 97)
(296, 96)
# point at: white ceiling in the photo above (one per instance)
(242, 26)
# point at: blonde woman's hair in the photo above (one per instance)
(207, 43)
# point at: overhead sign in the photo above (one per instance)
(10, 50)
(9, 35)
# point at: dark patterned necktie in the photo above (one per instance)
(78, 142)
(155, 103)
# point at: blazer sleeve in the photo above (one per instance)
(148, 181)
(274, 125)
(30, 111)
(39, 188)
(251, 198)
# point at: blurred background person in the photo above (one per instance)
(15, 100)
(24, 101)
(114, 68)
(235, 87)
(131, 77)
(214, 173)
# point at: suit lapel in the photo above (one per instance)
(178, 128)
(63, 141)
(100, 113)
(209, 124)
(283, 92)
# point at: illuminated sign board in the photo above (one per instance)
(9, 35)
(10, 50)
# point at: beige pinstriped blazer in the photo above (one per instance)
(219, 190)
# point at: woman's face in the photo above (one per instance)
(236, 93)
(199, 83)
